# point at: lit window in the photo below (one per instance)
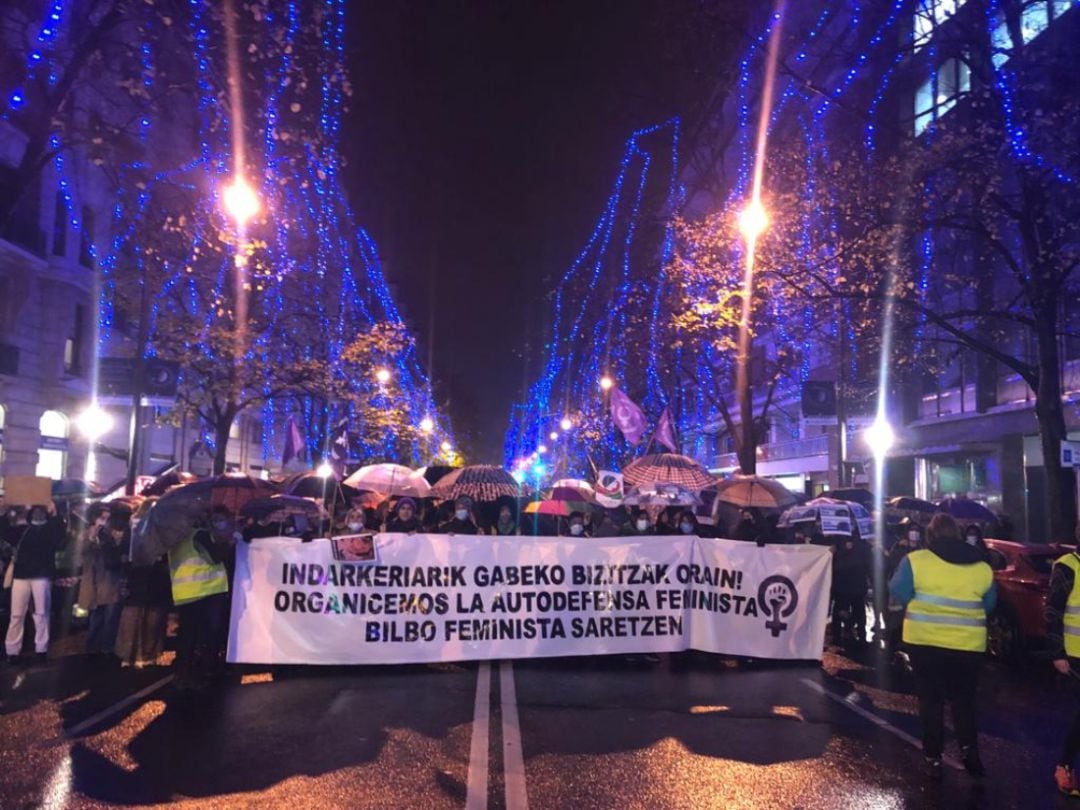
(1001, 44)
(929, 14)
(52, 451)
(940, 92)
(1034, 20)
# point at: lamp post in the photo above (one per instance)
(753, 220)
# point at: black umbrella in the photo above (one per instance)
(312, 485)
(163, 483)
(281, 507)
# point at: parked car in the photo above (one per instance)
(1022, 574)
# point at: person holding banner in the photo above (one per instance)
(947, 591)
(404, 520)
(462, 521)
(639, 525)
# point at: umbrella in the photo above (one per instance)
(966, 510)
(434, 472)
(309, 484)
(278, 508)
(836, 517)
(565, 493)
(915, 509)
(662, 494)
(752, 490)
(556, 508)
(390, 479)
(163, 483)
(669, 467)
(583, 488)
(481, 482)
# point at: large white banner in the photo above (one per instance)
(427, 598)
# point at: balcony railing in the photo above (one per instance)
(779, 451)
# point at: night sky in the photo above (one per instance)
(482, 142)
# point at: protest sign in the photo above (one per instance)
(432, 598)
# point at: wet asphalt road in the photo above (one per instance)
(690, 731)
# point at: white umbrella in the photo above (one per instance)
(753, 490)
(837, 517)
(663, 494)
(389, 480)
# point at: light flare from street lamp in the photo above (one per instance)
(566, 424)
(753, 220)
(427, 424)
(554, 435)
(94, 422)
(606, 383)
(880, 437)
(541, 449)
(382, 376)
(240, 201)
(324, 470)
(446, 447)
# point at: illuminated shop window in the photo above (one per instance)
(939, 94)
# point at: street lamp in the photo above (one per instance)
(446, 447)
(566, 424)
(753, 220)
(541, 449)
(382, 375)
(94, 422)
(427, 424)
(879, 437)
(240, 201)
(554, 435)
(324, 470)
(606, 383)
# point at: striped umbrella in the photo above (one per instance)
(481, 482)
(752, 490)
(669, 467)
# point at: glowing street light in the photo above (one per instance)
(879, 437)
(554, 435)
(566, 424)
(446, 447)
(427, 424)
(753, 220)
(382, 376)
(94, 422)
(324, 470)
(240, 201)
(541, 449)
(606, 383)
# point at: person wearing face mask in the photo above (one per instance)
(34, 558)
(405, 519)
(461, 522)
(639, 525)
(973, 536)
(577, 526)
(687, 523)
(909, 539)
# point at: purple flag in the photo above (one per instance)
(294, 442)
(339, 448)
(627, 416)
(665, 432)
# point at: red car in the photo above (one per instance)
(1022, 574)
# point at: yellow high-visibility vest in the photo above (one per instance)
(947, 610)
(1072, 607)
(194, 575)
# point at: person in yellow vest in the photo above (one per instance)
(1063, 638)
(200, 591)
(948, 591)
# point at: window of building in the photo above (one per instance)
(60, 227)
(929, 14)
(52, 451)
(939, 94)
(1035, 17)
(86, 237)
(73, 346)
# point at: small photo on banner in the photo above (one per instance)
(354, 548)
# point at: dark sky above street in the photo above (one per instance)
(482, 141)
